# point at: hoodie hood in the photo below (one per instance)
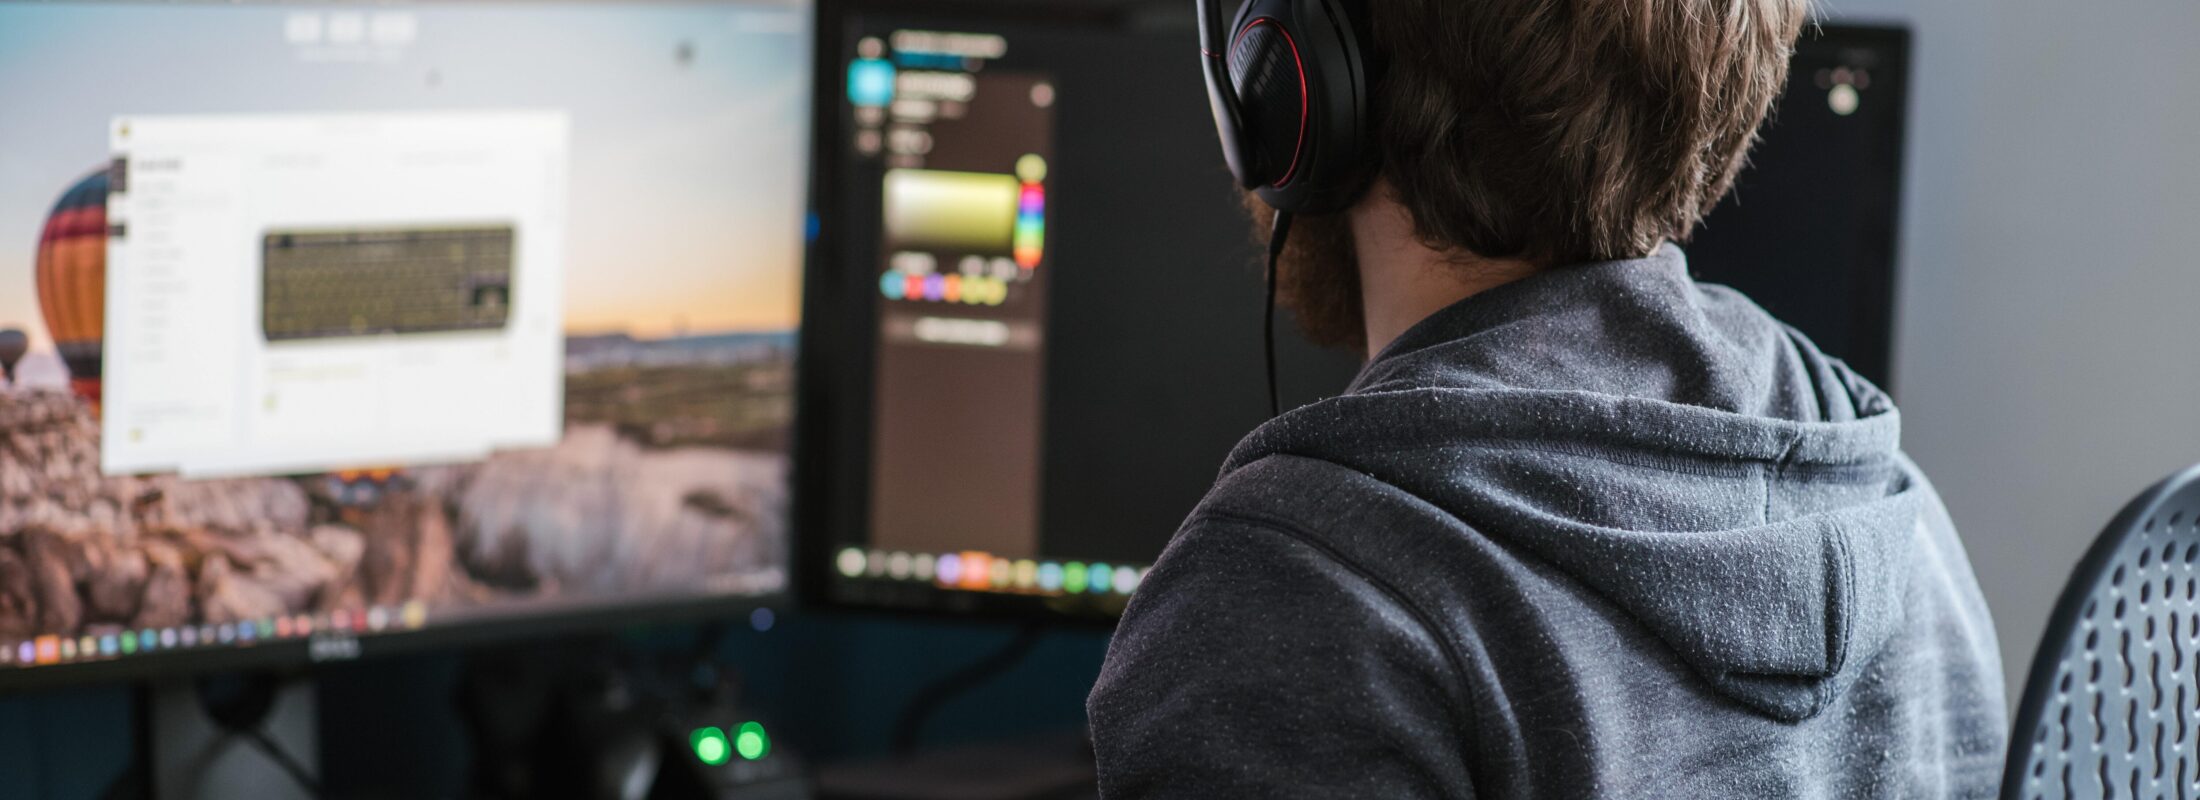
(1667, 446)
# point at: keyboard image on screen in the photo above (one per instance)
(331, 284)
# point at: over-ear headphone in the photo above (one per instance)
(1288, 81)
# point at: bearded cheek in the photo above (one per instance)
(1318, 281)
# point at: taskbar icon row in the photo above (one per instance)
(109, 642)
(978, 571)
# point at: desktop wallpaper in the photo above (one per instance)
(682, 249)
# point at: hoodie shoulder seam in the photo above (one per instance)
(1454, 663)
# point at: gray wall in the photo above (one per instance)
(2048, 349)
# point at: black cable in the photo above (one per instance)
(282, 759)
(1278, 234)
(909, 727)
(710, 640)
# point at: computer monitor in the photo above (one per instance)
(342, 329)
(1036, 306)
(1809, 231)
(1046, 317)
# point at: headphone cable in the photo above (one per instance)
(1278, 233)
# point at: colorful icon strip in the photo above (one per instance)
(972, 290)
(977, 571)
(53, 649)
(1029, 242)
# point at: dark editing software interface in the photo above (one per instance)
(962, 305)
(1057, 357)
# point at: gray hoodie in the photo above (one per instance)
(1602, 532)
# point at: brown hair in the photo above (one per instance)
(1572, 130)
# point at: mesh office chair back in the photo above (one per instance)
(2112, 707)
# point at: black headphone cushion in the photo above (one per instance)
(1269, 74)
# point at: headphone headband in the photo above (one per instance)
(1221, 96)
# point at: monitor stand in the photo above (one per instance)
(198, 737)
(1057, 767)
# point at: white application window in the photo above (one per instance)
(303, 293)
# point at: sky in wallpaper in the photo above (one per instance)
(688, 124)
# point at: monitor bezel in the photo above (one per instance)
(833, 371)
(297, 655)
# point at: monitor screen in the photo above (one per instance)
(333, 327)
(1044, 303)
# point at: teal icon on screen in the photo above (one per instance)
(871, 82)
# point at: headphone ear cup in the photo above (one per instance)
(1270, 77)
(1297, 71)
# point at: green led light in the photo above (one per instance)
(751, 742)
(1073, 577)
(709, 744)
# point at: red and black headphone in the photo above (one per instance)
(1288, 81)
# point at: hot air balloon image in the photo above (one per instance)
(13, 343)
(12, 346)
(72, 280)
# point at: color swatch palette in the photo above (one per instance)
(974, 290)
(983, 572)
